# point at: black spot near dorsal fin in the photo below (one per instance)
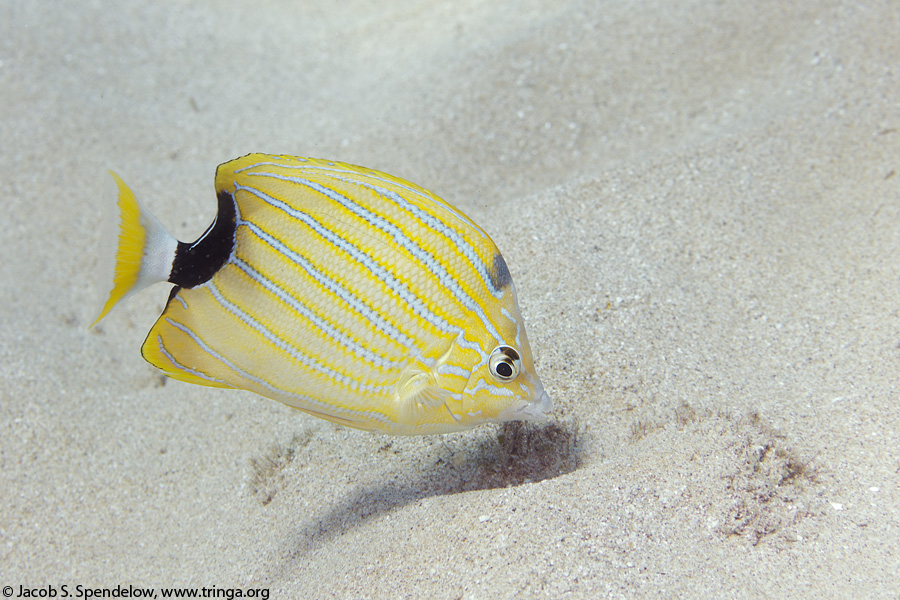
(499, 272)
(196, 263)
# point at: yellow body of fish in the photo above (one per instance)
(347, 293)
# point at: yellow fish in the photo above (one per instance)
(347, 293)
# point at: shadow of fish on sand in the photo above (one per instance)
(515, 454)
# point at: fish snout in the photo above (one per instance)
(535, 410)
(538, 409)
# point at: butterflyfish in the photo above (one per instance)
(344, 292)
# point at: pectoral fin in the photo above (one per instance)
(421, 389)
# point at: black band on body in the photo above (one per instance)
(196, 263)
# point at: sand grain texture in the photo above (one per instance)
(699, 203)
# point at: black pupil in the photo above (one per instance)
(504, 370)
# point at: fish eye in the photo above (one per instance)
(505, 363)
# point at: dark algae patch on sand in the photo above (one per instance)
(768, 489)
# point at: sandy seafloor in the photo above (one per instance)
(700, 206)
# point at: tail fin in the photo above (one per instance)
(145, 250)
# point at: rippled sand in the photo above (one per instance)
(700, 206)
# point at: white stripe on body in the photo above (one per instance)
(323, 407)
(346, 296)
(185, 368)
(397, 234)
(419, 214)
(397, 287)
(317, 321)
(296, 353)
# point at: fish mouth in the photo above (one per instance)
(536, 410)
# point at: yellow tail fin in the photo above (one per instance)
(143, 250)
